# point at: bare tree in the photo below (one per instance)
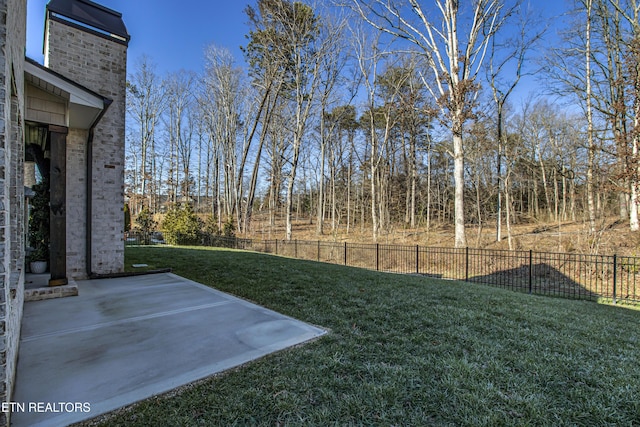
(342, 126)
(277, 151)
(609, 93)
(593, 73)
(588, 4)
(369, 57)
(454, 56)
(180, 126)
(505, 56)
(271, 104)
(222, 106)
(331, 67)
(145, 104)
(631, 13)
(305, 50)
(267, 76)
(287, 35)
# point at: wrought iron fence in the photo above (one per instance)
(568, 275)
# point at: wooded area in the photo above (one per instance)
(375, 113)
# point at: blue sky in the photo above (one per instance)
(173, 33)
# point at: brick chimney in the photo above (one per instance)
(87, 43)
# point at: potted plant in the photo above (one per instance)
(39, 228)
(38, 259)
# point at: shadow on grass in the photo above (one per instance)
(541, 278)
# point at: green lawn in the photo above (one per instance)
(405, 350)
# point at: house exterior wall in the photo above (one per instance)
(12, 45)
(76, 203)
(99, 64)
(43, 107)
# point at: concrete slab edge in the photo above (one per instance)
(200, 374)
(50, 292)
(95, 276)
(244, 301)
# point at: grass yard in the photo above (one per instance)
(405, 350)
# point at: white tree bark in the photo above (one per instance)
(632, 14)
(454, 61)
(590, 137)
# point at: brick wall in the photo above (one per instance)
(100, 65)
(12, 44)
(76, 203)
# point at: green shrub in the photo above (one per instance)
(210, 231)
(127, 218)
(211, 226)
(147, 225)
(229, 228)
(39, 223)
(213, 235)
(181, 226)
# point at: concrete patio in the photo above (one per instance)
(126, 339)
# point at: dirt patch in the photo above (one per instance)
(611, 237)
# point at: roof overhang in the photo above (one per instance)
(84, 105)
(92, 16)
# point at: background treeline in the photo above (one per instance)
(376, 114)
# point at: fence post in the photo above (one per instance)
(318, 250)
(466, 264)
(615, 276)
(377, 256)
(530, 271)
(417, 259)
(345, 253)
(276, 246)
(295, 248)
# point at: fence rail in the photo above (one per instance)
(568, 275)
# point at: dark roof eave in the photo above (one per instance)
(91, 14)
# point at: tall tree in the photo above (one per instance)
(505, 69)
(331, 67)
(290, 33)
(221, 103)
(630, 11)
(455, 54)
(610, 91)
(588, 4)
(267, 76)
(145, 104)
(402, 96)
(375, 122)
(180, 127)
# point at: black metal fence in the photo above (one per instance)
(568, 275)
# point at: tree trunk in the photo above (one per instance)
(499, 174)
(374, 195)
(633, 205)
(458, 172)
(507, 215)
(428, 190)
(634, 224)
(590, 138)
(320, 215)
